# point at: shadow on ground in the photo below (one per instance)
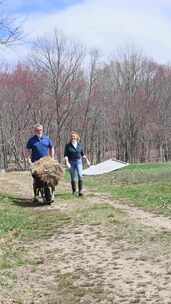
(25, 202)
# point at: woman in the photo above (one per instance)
(74, 155)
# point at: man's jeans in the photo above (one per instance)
(76, 169)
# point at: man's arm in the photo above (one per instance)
(52, 152)
(28, 151)
(28, 156)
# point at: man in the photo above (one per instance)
(39, 146)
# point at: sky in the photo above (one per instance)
(107, 25)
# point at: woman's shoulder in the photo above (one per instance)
(67, 144)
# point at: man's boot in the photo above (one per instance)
(80, 188)
(73, 185)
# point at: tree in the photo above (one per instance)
(10, 29)
(133, 79)
(20, 97)
(59, 60)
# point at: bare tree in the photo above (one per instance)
(10, 28)
(60, 59)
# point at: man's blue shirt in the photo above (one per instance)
(39, 146)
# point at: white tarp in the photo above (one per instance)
(104, 167)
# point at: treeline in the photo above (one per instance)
(121, 108)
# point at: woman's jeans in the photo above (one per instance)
(76, 169)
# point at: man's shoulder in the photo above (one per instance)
(32, 138)
(47, 139)
(30, 142)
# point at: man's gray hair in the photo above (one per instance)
(38, 126)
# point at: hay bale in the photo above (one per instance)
(47, 170)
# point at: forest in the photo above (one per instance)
(121, 106)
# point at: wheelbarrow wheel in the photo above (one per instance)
(47, 194)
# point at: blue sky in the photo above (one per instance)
(40, 6)
(103, 24)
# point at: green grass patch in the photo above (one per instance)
(65, 196)
(145, 185)
(16, 216)
(97, 214)
(19, 222)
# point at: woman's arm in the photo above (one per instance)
(67, 162)
(87, 160)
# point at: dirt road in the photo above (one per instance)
(116, 263)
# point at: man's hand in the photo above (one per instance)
(52, 153)
(30, 164)
(29, 161)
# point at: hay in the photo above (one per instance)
(47, 170)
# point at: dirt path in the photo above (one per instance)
(88, 264)
(158, 222)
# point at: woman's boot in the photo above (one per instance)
(73, 185)
(80, 188)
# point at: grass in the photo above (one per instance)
(21, 224)
(18, 224)
(94, 214)
(145, 185)
(24, 221)
(23, 228)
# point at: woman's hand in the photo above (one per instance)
(67, 162)
(88, 163)
(68, 165)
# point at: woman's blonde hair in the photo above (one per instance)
(76, 134)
